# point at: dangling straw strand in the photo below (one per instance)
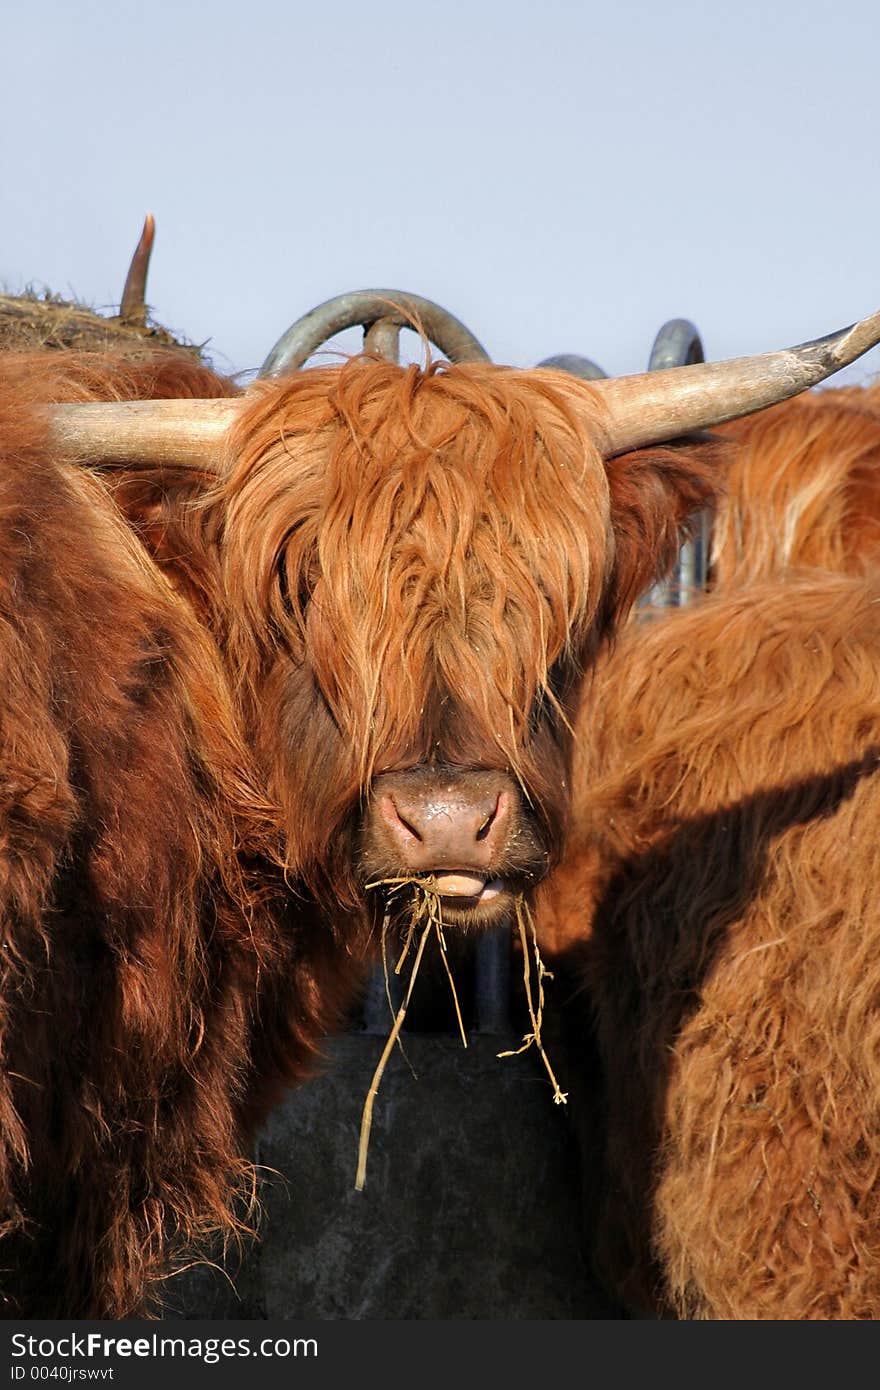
(559, 1096)
(367, 1117)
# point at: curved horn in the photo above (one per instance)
(182, 434)
(660, 405)
(639, 410)
(573, 363)
(365, 307)
(678, 344)
(133, 305)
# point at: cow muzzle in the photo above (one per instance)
(464, 831)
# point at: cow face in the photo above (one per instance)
(418, 568)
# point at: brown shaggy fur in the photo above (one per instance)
(395, 566)
(152, 971)
(803, 488)
(717, 942)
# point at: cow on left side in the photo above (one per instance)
(142, 902)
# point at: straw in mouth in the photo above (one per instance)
(427, 913)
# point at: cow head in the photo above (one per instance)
(415, 568)
(418, 566)
(414, 563)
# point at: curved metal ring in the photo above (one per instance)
(366, 307)
(678, 344)
(575, 364)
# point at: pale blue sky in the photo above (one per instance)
(563, 177)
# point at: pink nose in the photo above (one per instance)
(431, 821)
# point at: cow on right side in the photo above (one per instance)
(714, 928)
(803, 488)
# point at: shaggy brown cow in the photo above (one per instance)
(146, 923)
(716, 940)
(386, 600)
(803, 488)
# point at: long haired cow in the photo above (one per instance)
(353, 657)
(715, 938)
(146, 921)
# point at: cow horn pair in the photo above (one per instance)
(638, 410)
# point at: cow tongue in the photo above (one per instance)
(459, 885)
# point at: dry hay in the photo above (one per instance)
(31, 320)
(427, 914)
(35, 320)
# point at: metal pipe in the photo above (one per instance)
(446, 332)
(678, 344)
(492, 981)
(377, 1014)
(575, 364)
(382, 339)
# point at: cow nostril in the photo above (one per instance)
(407, 825)
(488, 822)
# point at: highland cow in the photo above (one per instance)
(715, 942)
(146, 921)
(337, 638)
